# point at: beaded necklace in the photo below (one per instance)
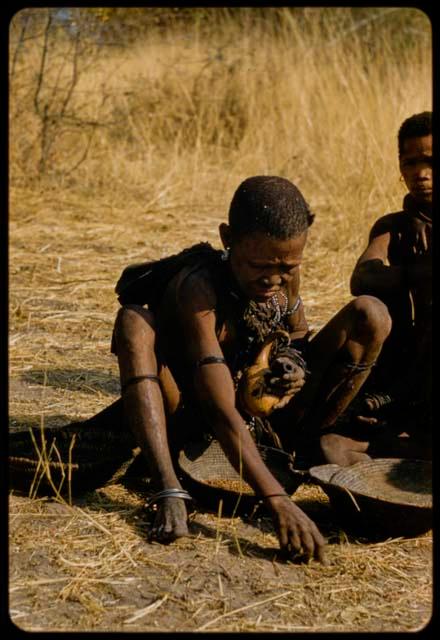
(254, 323)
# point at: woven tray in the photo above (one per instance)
(93, 460)
(210, 477)
(384, 497)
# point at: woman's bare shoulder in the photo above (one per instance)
(195, 291)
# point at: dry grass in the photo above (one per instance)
(92, 563)
(193, 114)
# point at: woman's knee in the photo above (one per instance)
(133, 324)
(372, 318)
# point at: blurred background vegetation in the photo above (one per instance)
(157, 114)
(273, 85)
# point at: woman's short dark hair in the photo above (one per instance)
(270, 204)
(416, 126)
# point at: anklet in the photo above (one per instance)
(360, 366)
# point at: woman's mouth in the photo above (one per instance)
(265, 293)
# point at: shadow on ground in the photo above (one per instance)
(23, 423)
(87, 381)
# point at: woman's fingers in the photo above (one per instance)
(298, 535)
(287, 381)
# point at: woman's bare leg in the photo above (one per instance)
(144, 411)
(340, 359)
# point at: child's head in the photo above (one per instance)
(417, 126)
(415, 156)
(266, 235)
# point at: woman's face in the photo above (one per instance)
(262, 265)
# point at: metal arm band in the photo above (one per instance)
(209, 360)
(130, 381)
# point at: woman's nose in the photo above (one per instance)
(273, 280)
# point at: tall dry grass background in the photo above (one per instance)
(130, 129)
(175, 120)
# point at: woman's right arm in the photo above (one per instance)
(214, 391)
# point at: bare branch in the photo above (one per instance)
(84, 155)
(40, 77)
(19, 46)
(74, 79)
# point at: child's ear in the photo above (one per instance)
(225, 234)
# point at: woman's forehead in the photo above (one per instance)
(259, 245)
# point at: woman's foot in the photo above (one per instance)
(341, 450)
